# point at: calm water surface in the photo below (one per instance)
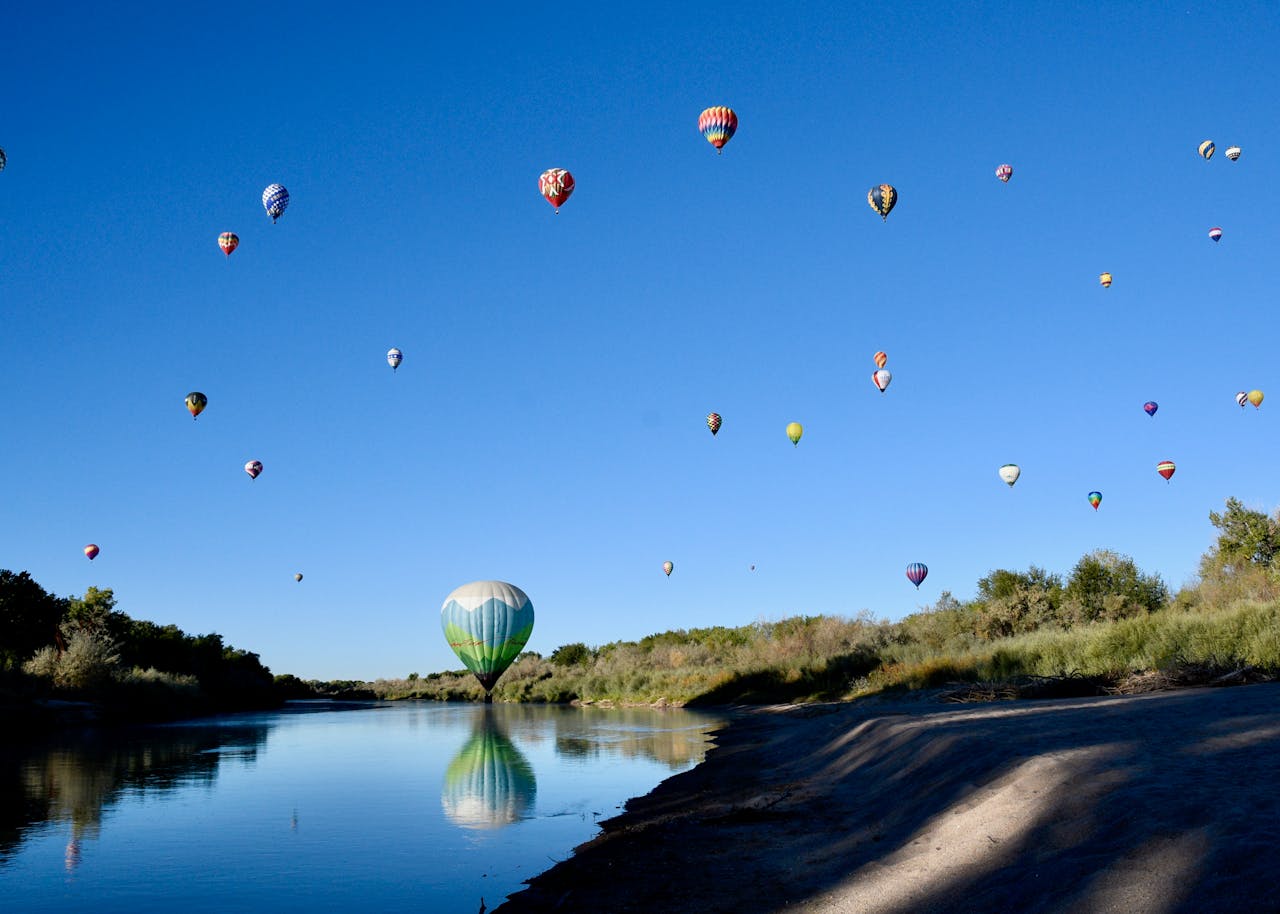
(404, 807)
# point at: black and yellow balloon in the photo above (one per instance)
(196, 402)
(882, 198)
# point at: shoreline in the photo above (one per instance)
(1158, 802)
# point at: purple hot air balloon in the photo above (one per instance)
(916, 572)
(1151, 406)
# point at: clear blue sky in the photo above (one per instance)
(547, 425)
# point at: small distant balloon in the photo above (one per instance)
(1206, 149)
(1166, 469)
(882, 198)
(1255, 397)
(753, 567)
(916, 573)
(1233, 152)
(718, 125)
(1215, 233)
(1150, 407)
(253, 468)
(1105, 279)
(196, 402)
(1242, 398)
(881, 379)
(91, 551)
(556, 185)
(275, 199)
(1004, 173)
(794, 431)
(668, 568)
(881, 359)
(3, 160)
(228, 241)
(1010, 473)
(1095, 499)
(713, 422)
(394, 358)
(298, 576)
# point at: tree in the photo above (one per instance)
(29, 617)
(1107, 585)
(1002, 584)
(95, 612)
(1246, 538)
(576, 654)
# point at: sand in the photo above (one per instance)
(1165, 802)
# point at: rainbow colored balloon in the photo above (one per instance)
(1095, 499)
(718, 124)
(228, 241)
(487, 623)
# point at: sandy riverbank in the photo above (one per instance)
(1165, 802)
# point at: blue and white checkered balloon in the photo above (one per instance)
(274, 199)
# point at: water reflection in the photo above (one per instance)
(629, 733)
(489, 783)
(74, 781)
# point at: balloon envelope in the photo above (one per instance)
(881, 358)
(1166, 468)
(3, 160)
(713, 422)
(91, 551)
(718, 124)
(1255, 397)
(881, 379)
(253, 468)
(275, 199)
(1010, 473)
(1233, 152)
(1242, 398)
(917, 572)
(196, 402)
(1004, 173)
(556, 185)
(668, 568)
(1215, 233)
(1105, 279)
(487, 623)
(394, 358)
(794, 431)
(882, 198)
(1206, 149)
(1095, 499)
(228, 241)
(298, 576)
(1151, 406)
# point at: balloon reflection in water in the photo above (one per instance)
(489, 783)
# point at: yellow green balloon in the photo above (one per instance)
(1255, 397)
(794, 431)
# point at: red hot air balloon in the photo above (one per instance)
(91, 551)
(228, 241)
(1166, 469)
(713, 422)
(1004, 173)
(556, 185)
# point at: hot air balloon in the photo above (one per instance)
(881, 379)
(298, 576)
(713, 422)
(394, 358)
(718, 125)
(228, 241)
(668, 568)
(1215, 233)
(1206, 149)
(794, 431)
(1105, 279)
(882, 198)
(487, 623)
(1166, 469)
(253, 468)
(1150, 407)
(196, 402)
(1255, 397)
(753, 567)
(1242, 398)
(916, 572)
(1010, 473)
(881, 358)
(1233, 152)
(556, 185)
(1095, 499)
(275, 200)
(91, 551)
(1004, 173)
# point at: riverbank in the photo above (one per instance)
(1159, 802)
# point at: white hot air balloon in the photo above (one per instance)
(394, 358)
(1010, 473)
(881, 379)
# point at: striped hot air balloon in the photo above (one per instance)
(713, 422)
(1004, 173)
(1207, 148)
(228, 241)
(91, 551)
(1233, 152)
(1105, 279)
(275, 200)
(882, 198)
(718, 124)
(196, 402)
(916, 573)
(1215, 233)
(880, 359)
(1242, 398)
(1166, 469)
(394, 358)
(556, 185)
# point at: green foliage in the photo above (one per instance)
(1106, 585)
(576, 654)
(1247, 539)
(88, 664)
(29, 617)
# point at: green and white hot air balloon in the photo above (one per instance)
(487, 623)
